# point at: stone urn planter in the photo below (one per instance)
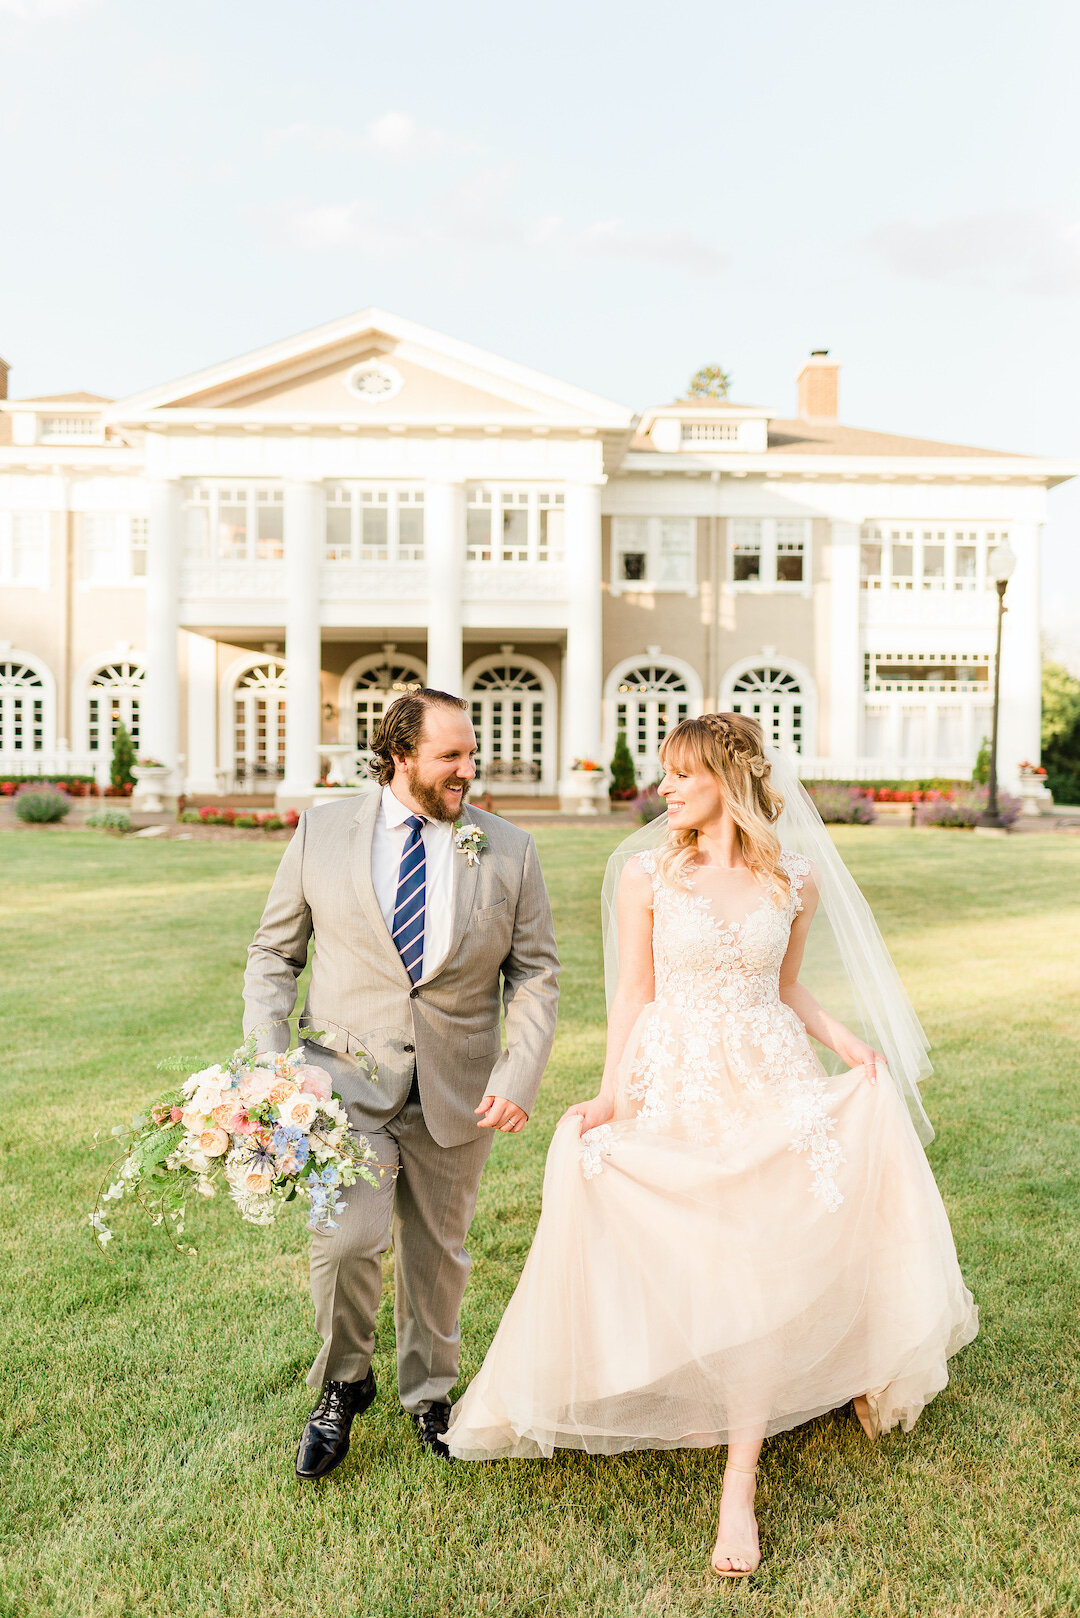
(584, 792)
(150, 789)
(1035, 796)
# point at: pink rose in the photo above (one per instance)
(241, 1124)
(213, 1142)
(315, 1081)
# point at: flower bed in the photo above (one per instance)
(243, 819)
(842, 806)
(76, 786)
(963, 809)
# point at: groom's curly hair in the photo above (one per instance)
(401, 728)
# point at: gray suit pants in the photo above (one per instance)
(425, 1208)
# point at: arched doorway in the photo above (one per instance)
(113, 697)
(258, 726)
(24, 712)
(777, 697)
(368, 687)
(646, 698)
(512, 705)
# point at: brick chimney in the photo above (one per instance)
(819, 387)
(4, 369)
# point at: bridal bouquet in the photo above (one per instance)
(267, 1126)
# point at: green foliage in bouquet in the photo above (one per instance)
(266, 1126)
(123, 758)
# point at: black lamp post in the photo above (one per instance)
(999, 564)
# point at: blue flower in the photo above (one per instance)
(291, 1142)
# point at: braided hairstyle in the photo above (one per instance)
(731, 747)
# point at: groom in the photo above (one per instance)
(414, 930)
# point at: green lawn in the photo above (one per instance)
(152, 1404)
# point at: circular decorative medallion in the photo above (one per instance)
(374, 381)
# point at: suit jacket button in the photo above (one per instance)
(408, 1047)
(413, 993)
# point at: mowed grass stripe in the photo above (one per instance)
(152, 1405)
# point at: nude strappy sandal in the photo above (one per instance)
(869, 1415)
(744, 1553)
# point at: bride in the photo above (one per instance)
(732, 1241)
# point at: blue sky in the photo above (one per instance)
(606, 192)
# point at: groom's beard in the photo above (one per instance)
(432, 799)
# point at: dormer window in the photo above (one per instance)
(710, 432)
(68, 429)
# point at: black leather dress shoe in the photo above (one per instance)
(325, 1442)
(431, 1424)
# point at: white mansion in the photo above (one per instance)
(246, 565)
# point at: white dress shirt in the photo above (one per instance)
(387, 847)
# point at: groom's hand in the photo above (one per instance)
(496, 1113)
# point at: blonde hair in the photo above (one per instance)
(731, 747)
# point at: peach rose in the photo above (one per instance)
(299, 1110)
(193, 1122)
(282, 1090)
(224, 1115)
(257, 1182)
(257, 1085)
(314, 1081)
(213, 1142)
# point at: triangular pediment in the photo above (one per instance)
(375, 367)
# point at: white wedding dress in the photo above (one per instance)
(749, 1243)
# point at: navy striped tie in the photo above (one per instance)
(408, 928)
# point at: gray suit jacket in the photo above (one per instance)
(360, 997)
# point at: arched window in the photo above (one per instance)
(511, 702)
(775, 697)
(369, 688)
(650, 699)
(113, 699)
(22, 708)
(258, 725)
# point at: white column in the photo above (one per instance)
(1020, 718)
(202, 715)
(160, 707)
(583, 680)
(845, 662)
(303, 641)
(444, 548)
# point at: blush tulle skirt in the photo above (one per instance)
(681, 1294)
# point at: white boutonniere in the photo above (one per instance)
(470, 841)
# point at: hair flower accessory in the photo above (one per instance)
(470, 841)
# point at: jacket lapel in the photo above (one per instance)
(361, 833)
(465, 879)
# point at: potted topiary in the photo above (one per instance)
(623, 775)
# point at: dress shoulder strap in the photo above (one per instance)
(798, 869)
(647, 861)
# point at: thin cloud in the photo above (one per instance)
(395, 134)
(335, 226)
(43, 10)
(1011, 250)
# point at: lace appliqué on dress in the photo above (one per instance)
(722, 979)
(595, 1145)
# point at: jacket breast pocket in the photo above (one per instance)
(493, 912)
(488, 1043)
